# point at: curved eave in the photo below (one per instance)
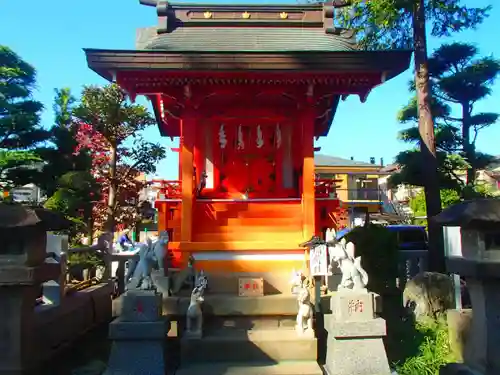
(107, 63)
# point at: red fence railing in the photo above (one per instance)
(325, 187)
(169, 189)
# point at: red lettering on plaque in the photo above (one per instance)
(139, 308)
(355, 306)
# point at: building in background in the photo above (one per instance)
(358, 187)
(400, 196)
(29, 193)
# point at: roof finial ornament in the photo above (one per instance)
(245, 15)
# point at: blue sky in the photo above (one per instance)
(51, 34)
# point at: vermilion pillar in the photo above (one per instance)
(188, 128)
(307, 120)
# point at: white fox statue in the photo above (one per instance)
(354, 277)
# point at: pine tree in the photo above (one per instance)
(402, 24)
(20, 130)
(459, 80)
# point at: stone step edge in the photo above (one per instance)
(252, 368)
(258, 335)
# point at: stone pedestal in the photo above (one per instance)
(16, 327)
(482, 350)
(138, 336)
(19, 287)
(354, 343)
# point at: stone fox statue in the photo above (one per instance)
(305, 313)
(151, 254)
(353, 275)
(159, 250)
(194, 316)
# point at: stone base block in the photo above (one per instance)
(348, 305)
(193, 334)
(139, 357)
(361, 356)
(120, 330)
(342, 330)
(356, 347)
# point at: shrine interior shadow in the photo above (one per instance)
(92, 348)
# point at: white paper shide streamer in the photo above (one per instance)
(222, 137)
(241, 142)
(260, 138)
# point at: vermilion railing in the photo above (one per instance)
(169, 189)
(325, 187)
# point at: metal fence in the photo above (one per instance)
(359, 194)
(411, 262)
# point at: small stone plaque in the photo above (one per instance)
(353, 306)
(141, 306)
(250, 287)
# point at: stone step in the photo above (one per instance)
(252, 345)
(215, 323)
(225, 368)
(233, 305)
(275, 282)
(238, 234)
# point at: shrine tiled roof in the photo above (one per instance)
(232, 44)
(245, 39)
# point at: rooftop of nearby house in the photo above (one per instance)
(494, 165)
(321, 160)
(390, 168)
(493, 168)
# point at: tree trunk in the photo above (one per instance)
(367, 218)
(90, 228)
(427, 142)
(110, 210)
(468, 148)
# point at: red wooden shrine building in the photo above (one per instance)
(247, 88)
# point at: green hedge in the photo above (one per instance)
(378, 249)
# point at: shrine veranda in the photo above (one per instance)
(247, 89)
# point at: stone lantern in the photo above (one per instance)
(23, 236)
(478, 261)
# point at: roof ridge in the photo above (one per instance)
(315, 15)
